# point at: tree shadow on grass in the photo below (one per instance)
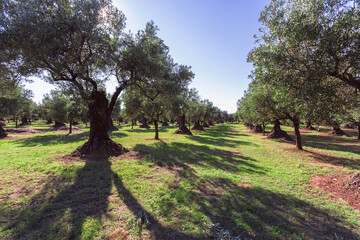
(333, 143)
(220, 135)
(257, 213)
(46, 140)
(185, 154)
(337, 161)
(246, 211)
(145, 130)
(65, 215)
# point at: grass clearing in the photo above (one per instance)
(174, 188)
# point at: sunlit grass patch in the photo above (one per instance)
(251, 186)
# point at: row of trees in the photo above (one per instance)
(307, 63)
(79, 45)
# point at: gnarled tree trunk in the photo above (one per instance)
(3, 134)
(257, 129)
(24, 121)
(111, 125)
(182, 127)
(99, 143)
(205, 124)
(165, 124)
(59, 124)
(308, 125)
(197, 126)
(276, 132)
(144, 123)
(337, 131)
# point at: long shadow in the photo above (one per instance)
(338, 161)
(43, 217)
(158, 230)
(256, 213)
(185, 154)
(86, 197)
(145, 130)
(46, 140)
(333, 143)
(219, 141)
(220, 135)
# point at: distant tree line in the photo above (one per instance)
(78, 46)
(307, 65)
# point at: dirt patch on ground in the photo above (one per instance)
(339, 186)
(69, 159)
(22, 131)
(65, 128)
(244, 185)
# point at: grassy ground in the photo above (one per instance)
(174, 188)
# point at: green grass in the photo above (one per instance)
(173, 188)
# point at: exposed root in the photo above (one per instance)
(198, 127)
(99, 148)
(279, 134)
(183, 130)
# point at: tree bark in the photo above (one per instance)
(156, 129)
(205, 124)
(111, 125)
(3, 133)
(358, 127)
(99, 142)
(296, 122)
(182, 127)
(23, 121)
(197, 126)
(276, 132)
(59, 124)
(144, 123)
(165, 124)
(308, 125)
(70, 127)
(257, 129)
(337, 131)
(263, 127)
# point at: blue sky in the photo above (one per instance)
(212, 36)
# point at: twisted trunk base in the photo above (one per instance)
(309, 126)
(338, 132)
(197, 126)
(165, 124)
(182, 127)
(276, 132)
(257, 129)
(3, 134)
(99, 143)
(205, 124)
(99, 147)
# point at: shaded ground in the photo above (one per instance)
(22, 131)
(202, 188)
(336, 185)
(66, 128)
